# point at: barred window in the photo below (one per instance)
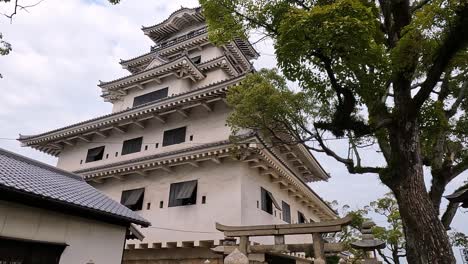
(150, 97)
(286, 212)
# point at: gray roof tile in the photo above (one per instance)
(35, 178)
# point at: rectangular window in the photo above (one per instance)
(95, 154)
(268, 201)
(183, 193)
(301, 218)
(196, 59)
(150, 97)
(286, 212)
(174, 136)
(132, 145)
(133, 199)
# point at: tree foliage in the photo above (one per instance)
(393, 73)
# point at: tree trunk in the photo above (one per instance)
(426, 238)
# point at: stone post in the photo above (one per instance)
(319, 252)
(236, 257)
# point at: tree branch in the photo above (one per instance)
(348, 162)
(456, 40)
(458, 101)
(419, 5)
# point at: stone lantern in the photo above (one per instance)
(368, 243)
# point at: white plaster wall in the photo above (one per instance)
(205, 127)
(87, 239)
(220, 183)
(212, 76)
(252, 182)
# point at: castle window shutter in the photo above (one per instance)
(273, 200)
(133, 199)
(267, 203)
(186, 190)
(174, 136)
(95, 154)
(286, 212)
(183, 193)
(132, 145)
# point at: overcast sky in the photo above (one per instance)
(62, 48)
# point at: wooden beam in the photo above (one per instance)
(216, 160)
(183, 113)
(119, 129)
(100, 133)
(139, 124)
(160, 118)
(85, 139)
(68, 142)
(166, 169)
(206, 106)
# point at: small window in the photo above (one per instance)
(81, 161)
(286, 212)
(161, 204)
(133, 199)
(116, 154)
(157, 145)
(301, 218)
(148, 206)
(150, 97)
(174, 136)
(203, 200)
(132, 145)
(183, 193)
(95, 154)
(146, 147)
(268, 201)
(196, 59)
(107, 156)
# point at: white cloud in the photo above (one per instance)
(62, 48)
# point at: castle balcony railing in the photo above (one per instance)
(187, 36)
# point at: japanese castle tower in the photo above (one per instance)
(164, 151)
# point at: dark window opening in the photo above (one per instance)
(301, 218)
(174, 136)
(161, 204)
(183, 193)
(286, 212)
(150, 97)
(268, 201)
(81, 161)
(157, 145)
(116, 154)
(203, 200)
(148, 206)
(14, 251)
(95, 154)
(196, 59)
(132, 145)
(191, 137)
(133, 199)
(107, 156)
(257, 204)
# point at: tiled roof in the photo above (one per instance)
(28, 177)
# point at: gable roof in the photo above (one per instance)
(34, 183)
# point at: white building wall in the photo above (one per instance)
(252, 182)
(205, 127)
(88, 240)
(220, 183)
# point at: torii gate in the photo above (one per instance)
(319, 247)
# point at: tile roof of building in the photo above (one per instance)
(48, 184)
